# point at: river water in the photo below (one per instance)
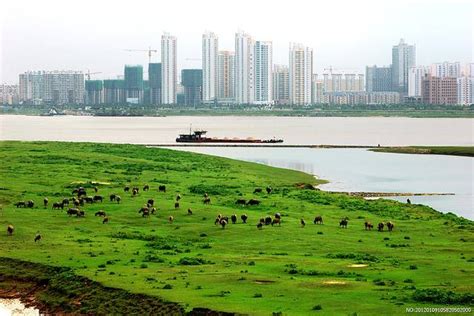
(346, 169)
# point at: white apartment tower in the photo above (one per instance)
(226, 71)
(169, 70)
(280, 84)
(415, 78)
(300, 74)
(244, 68)
(210, 48)
(263, 73)
(446, 69)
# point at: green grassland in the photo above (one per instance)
(428, 260)
(430, 150)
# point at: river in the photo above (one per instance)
(346, 169)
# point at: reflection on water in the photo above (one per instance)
(362, 170)
(14, 307)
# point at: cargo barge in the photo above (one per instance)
(199, 137)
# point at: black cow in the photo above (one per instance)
(241, 202)
(162, 188)
(257, 190)
(253, 202)
(318, 220)
(244, 218)
(233, 218)
(343, 223)
(98, 198)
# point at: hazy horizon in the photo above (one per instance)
(55, 35)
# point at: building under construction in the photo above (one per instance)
(133, 84)
(94, 92)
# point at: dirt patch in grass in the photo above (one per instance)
(357, 265)
(334, 282)
(264, 281)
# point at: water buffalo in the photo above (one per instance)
(126, 189)
(207, 200)
(150, 202)
(58, 205)
(72, 211)
(10, 230)
(241, 202)
(257, 190)
(30, 204)
(190, 212)
(162, 188)
(105, 220)
(368, 225)
(244, 218)
(98, 198)
(146, 187)
(100, 213)
(253, 202)
(343, 223)
(380, 226)
(276, 220)
(112, 197)
(37, 237)
(318, 220)
(390, 226)
(45, 202)
(233, 218)
(302, 222)
(269, 190)
(20, 204)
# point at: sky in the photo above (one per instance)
(347, 35)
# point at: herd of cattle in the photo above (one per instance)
(80, 198)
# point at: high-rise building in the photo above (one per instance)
(114, 91)
(263, 73)
(317, 90)
(133, 80)
(154, 83)
(94, 92)
(281, 84)
(415, 78)
(446, 69)
(439, 90)
(300, 74)
(9, 94)
(31, 87)
(244, 68)
(378, 79)
(465, 87)
(226, 72)
(210, 48)
(403, 58)
(169, 70)
(191, 80)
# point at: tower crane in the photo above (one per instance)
(149, 50)
(89, 73)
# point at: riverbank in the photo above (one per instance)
(467, 151)
(424, 261)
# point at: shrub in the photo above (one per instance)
(413, 267)
(317, 307)
(189, 261)
(143, 266)
(258, 295)
(167, 287)
(439, 296)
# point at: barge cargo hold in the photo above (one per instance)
(198, 137)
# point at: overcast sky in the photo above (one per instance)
(92, 34)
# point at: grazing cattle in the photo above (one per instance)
(380, 226)
(58, 205)
(66, 201)
(262, 220)
(135, 191)
(244, 218)
(20, 204)
(178, 197)
(302, 222)
(269, 190)
(318, 220)
(190, 212)
(112, 197)
(150, 202)
(207, 200)
(10, 230)
(218, 219)
(390, 226)
(37, 237)
(268, 220)
(259, 225)
(176, 205)
(146, 187)
(89, 199)
(76, 202)
(153, 210)
(241, 202)
(257, 190)
(233, 218)
(205, 195)
(144, 209)
(81, 191)
(72, 211)
(81, 201)
(30, 204)
(368, 225)
(126, 189)
(253, 202)
(96, 189)
(170, 219)
(343, 223)
(162, 188)
(408, 201)
(105, 220)
(98, 198)
(146, 213)
(277, 215)
(223, 222)
(81, 213)
(276, 220)
(118, 199)
(100, 213)
(45, 202)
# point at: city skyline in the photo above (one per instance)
(87, 43)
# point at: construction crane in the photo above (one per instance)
(149, 50)
(89, 73)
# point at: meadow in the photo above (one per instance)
(426, 261)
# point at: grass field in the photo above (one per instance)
(427, 261)
(430, 150)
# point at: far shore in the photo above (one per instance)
(467, 151)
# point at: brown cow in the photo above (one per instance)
(318, 220)
(380, 226)
(368, 225)
(390, 226)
